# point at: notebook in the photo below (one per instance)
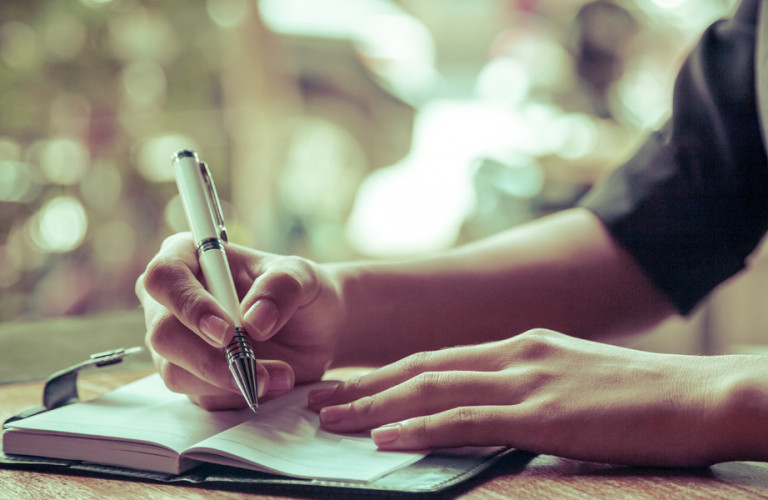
(144, 426)
(144, 432)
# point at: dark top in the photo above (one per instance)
(692, 204)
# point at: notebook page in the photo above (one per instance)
(141, 425)
(285, 438)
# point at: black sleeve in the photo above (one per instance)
(692, 204)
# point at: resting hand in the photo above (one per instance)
(540, 391)
(187, 329)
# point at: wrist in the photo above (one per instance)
(741, 410)
(359, 312)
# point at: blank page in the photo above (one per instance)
(285, 438)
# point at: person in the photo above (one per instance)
(504, 341)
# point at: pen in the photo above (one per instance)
(201, 204)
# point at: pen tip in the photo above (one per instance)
(243, 370)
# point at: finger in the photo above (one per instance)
(182, 381)
(465, 358)
(201, 369)
(274, 378)
(171, 278)
(280, 379)
(166, 338)
(179, 380)
(464, 426)
(287, 284)
(425, 394)
(174, 342)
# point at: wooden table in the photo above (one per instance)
(521, 476)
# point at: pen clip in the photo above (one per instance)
(215, 204)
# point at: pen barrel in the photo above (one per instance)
(197, 203)
(218, 278)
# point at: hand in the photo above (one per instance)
(541, 391)
(290, 308)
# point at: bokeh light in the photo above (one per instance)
(59, 226)
(64, 37)
(95, 3)
(64, 161)
(140, 34)
(19, 45)
(580, 137)
(16, 181)
(174, 215)
(228, 13)
(9, 149)
(144, 82)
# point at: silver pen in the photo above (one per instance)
(201, 204)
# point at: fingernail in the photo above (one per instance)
(386, 434)
(320, 396)
(280, 380)
(214, 328)
(334, 414)
(262, 317)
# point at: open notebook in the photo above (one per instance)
(144, 426)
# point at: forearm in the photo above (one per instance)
(561, 272)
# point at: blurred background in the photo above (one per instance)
(335, 129)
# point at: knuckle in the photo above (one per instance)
(547, 409)
(352, 386)
(419, 428)
(159, 336)
(300, 265)
(542, 333)
(188, 302)
(288, 276)
(139, 286)
(534, 378)
(534, 344)
(287, 283)
(177, 239)
(280, 286)
(159, 273)
(415, 364)
(364, 406)
(463, 418)
(427, 384)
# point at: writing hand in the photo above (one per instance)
(186, 329)
(540, 391)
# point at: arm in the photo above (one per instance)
(539, 390)
(561, 272)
